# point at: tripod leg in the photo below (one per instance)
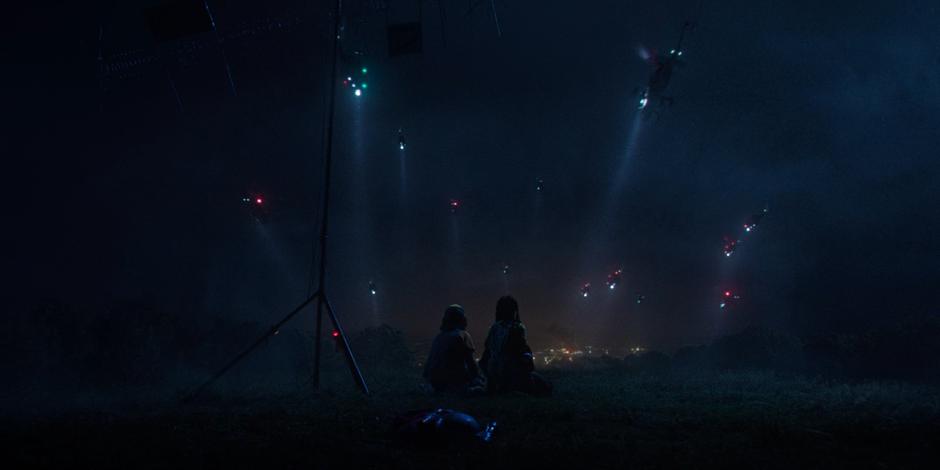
(277, 326)
(350, 359)
(318, 337)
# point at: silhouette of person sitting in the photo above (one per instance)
(450, 366)
(507, 360)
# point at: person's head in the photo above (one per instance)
(507, 309)
(454, 318)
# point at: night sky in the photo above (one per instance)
(825, 113)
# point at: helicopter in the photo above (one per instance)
(614, 278)
(728, 298)
(754, 220)
(586, 289)
(661, 73)
(257, 206)
(730, 244)
(357, 73)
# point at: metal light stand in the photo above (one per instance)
(320, 294)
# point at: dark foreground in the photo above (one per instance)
(603, 418)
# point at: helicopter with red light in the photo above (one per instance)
(729, 245)
(728, 298)
(614, 278)
(586, 290)
(257, 205)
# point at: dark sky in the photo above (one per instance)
(826, 112)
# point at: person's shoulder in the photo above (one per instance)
(464, 335)
(466, 339)
(517, 330)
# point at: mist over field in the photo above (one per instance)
(718, 220)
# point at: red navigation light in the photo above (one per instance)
(335, 334)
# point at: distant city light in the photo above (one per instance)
(569, 354)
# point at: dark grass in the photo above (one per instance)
(601, 418)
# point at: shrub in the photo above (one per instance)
(905, 350)
(649, 362)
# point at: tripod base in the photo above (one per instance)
(321, 302)
(341, 336)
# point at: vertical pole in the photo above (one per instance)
(101, 93)
(318, 337)
(324, 213)
(440, 7)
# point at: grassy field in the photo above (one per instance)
(600, 418)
